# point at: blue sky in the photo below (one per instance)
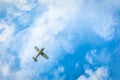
(81, 37)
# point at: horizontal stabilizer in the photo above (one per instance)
(35, 59)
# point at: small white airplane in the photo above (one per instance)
(40, 52)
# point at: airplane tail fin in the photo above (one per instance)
(35, 59)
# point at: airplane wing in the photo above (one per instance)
(37, 49)
(44, 55)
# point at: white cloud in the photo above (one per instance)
(23, 74)
(89, 56)
(63, 9)
(105, 29)
(94, 57)
(57, 73)
(101, 73)
(25, 5)
(5, 70)
(99, 18)
(6, 1)
(7, 33)
(67, 46)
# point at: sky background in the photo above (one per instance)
(81, 37)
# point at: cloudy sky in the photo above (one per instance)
(81, 37)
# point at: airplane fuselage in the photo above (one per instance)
(40, 52)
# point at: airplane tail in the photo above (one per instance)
(35, 59)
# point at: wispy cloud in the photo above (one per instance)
(7, 33)
(96, 57)
(59, 74)
(99, 74)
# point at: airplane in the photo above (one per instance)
(40, 52)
